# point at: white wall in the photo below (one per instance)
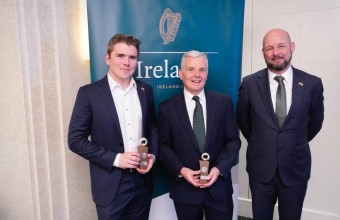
(314, 26)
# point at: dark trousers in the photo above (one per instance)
(132, 201)
(264, 196)
(212, 209)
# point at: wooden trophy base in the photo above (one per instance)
(143, 151)
(204, 165)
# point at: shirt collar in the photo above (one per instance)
(113, 84)
(188, 96)
(288, 75)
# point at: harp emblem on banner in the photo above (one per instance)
(168, 25)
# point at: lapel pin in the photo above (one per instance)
(142, 88)
(300, 84)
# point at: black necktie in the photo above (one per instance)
(281, 106)
(198, 124)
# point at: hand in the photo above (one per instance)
(150, 164)
(212, 177)
(129, 160)
(191, 176)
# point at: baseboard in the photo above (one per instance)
(244, 207)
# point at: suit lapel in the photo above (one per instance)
(182, 112)
(105, 93)
(263, 87)
(297, 92)
(143, 101)
(211, 108)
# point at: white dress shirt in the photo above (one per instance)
(191, 104)
(288, 81)
(129, 113)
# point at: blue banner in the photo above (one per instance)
(167, 29)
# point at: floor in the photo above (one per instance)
(243, 218)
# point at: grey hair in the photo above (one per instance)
(194, 53)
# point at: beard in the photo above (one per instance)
(279, 67)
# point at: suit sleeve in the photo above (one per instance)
(243, 112)
(232, 143)
(316, 112)
(79, 132)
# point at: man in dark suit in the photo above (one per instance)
(279, 119)
(179, 144)
(109, 118)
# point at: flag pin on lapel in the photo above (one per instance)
(300, 84)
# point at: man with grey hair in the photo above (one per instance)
(197, 126)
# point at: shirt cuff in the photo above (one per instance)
(116, 162)
(154, 158)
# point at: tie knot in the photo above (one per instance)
(196, 98)
(279, 78)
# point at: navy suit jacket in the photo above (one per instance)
(94, 133)
(269, 146)
(178, 146)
